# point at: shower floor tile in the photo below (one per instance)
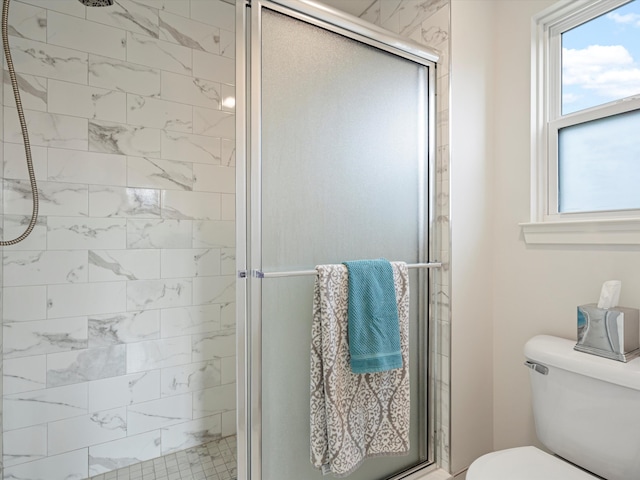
(212, 461)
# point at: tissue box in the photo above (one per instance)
(610, 333)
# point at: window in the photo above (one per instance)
(586, 151)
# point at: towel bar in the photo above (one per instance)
(296, 273)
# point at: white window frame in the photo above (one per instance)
(547, 225)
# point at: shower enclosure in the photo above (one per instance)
(336, 161)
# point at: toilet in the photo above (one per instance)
(586, 411)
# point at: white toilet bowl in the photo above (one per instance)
(524, 463)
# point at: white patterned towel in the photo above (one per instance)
(354, 416)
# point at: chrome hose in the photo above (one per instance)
(23, 126)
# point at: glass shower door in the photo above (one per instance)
(340, 173)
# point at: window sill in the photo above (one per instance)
(584, 232)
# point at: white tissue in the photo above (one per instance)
(610, 294)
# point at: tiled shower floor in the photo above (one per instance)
(212, 461)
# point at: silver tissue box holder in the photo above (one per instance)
(610, 333)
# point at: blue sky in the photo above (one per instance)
(601, 59)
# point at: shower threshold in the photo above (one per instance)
(215, 460)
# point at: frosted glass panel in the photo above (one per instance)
(599, 165)
(343, 145)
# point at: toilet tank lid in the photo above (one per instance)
(558, 352)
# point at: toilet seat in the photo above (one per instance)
(524, 463)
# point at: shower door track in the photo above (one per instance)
(248, 230)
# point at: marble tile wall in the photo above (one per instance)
(427, 22)
(118, 313)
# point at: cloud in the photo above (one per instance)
(627, 19)
(607, 71)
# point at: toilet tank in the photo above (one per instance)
(586, 408)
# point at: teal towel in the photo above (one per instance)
(374, 333)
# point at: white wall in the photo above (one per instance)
(504, 291)
(471, 230)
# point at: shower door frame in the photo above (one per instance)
(248, 215)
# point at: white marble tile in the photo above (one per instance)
(189, 33)
(87, 102)
(69, 31)
(43, 60)
(190, 148)
(47, 129)
(228, 423)
(83, 365)
(228, 206)
(144, 417)
(151, 294)
(124, 390)
(22, 304)
(214, 400)
(15, 225)
(85, 299)
(228, 316)
(71, 465)
(28, 21)
(213, 345)
(214, 67)
(55, 198)
(169, 352)
(15, 165)
(23, 339)
(413, 12)
(42, 406)
(214, 123)
(25, 445)
(106, 201)
(94, 428)
(190, 262)
(126, 327)
(227, 43)
(155, 173)
(24, 374)
(191, 434)
(111, 265)
(189, 320)
(124, 139)
(65, 233)
(190, 378)
(179, 7)
(214, 289)
(124, 452)
(191, 91)
(190, 205)
(33, 92)
(228, 369)
(228, 157)
(214, 178)
(228, 98)
(128, 15)
(159, 233)
(159, 54)
(63, 6)
(128, 77)
(75, 166)
(213, 12)
(227, 261)
(156, 113)
(214, 234)
(44, 267)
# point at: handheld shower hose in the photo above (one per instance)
(23, 127)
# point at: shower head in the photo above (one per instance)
(97, 3)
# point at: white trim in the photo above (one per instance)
(587, 232)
